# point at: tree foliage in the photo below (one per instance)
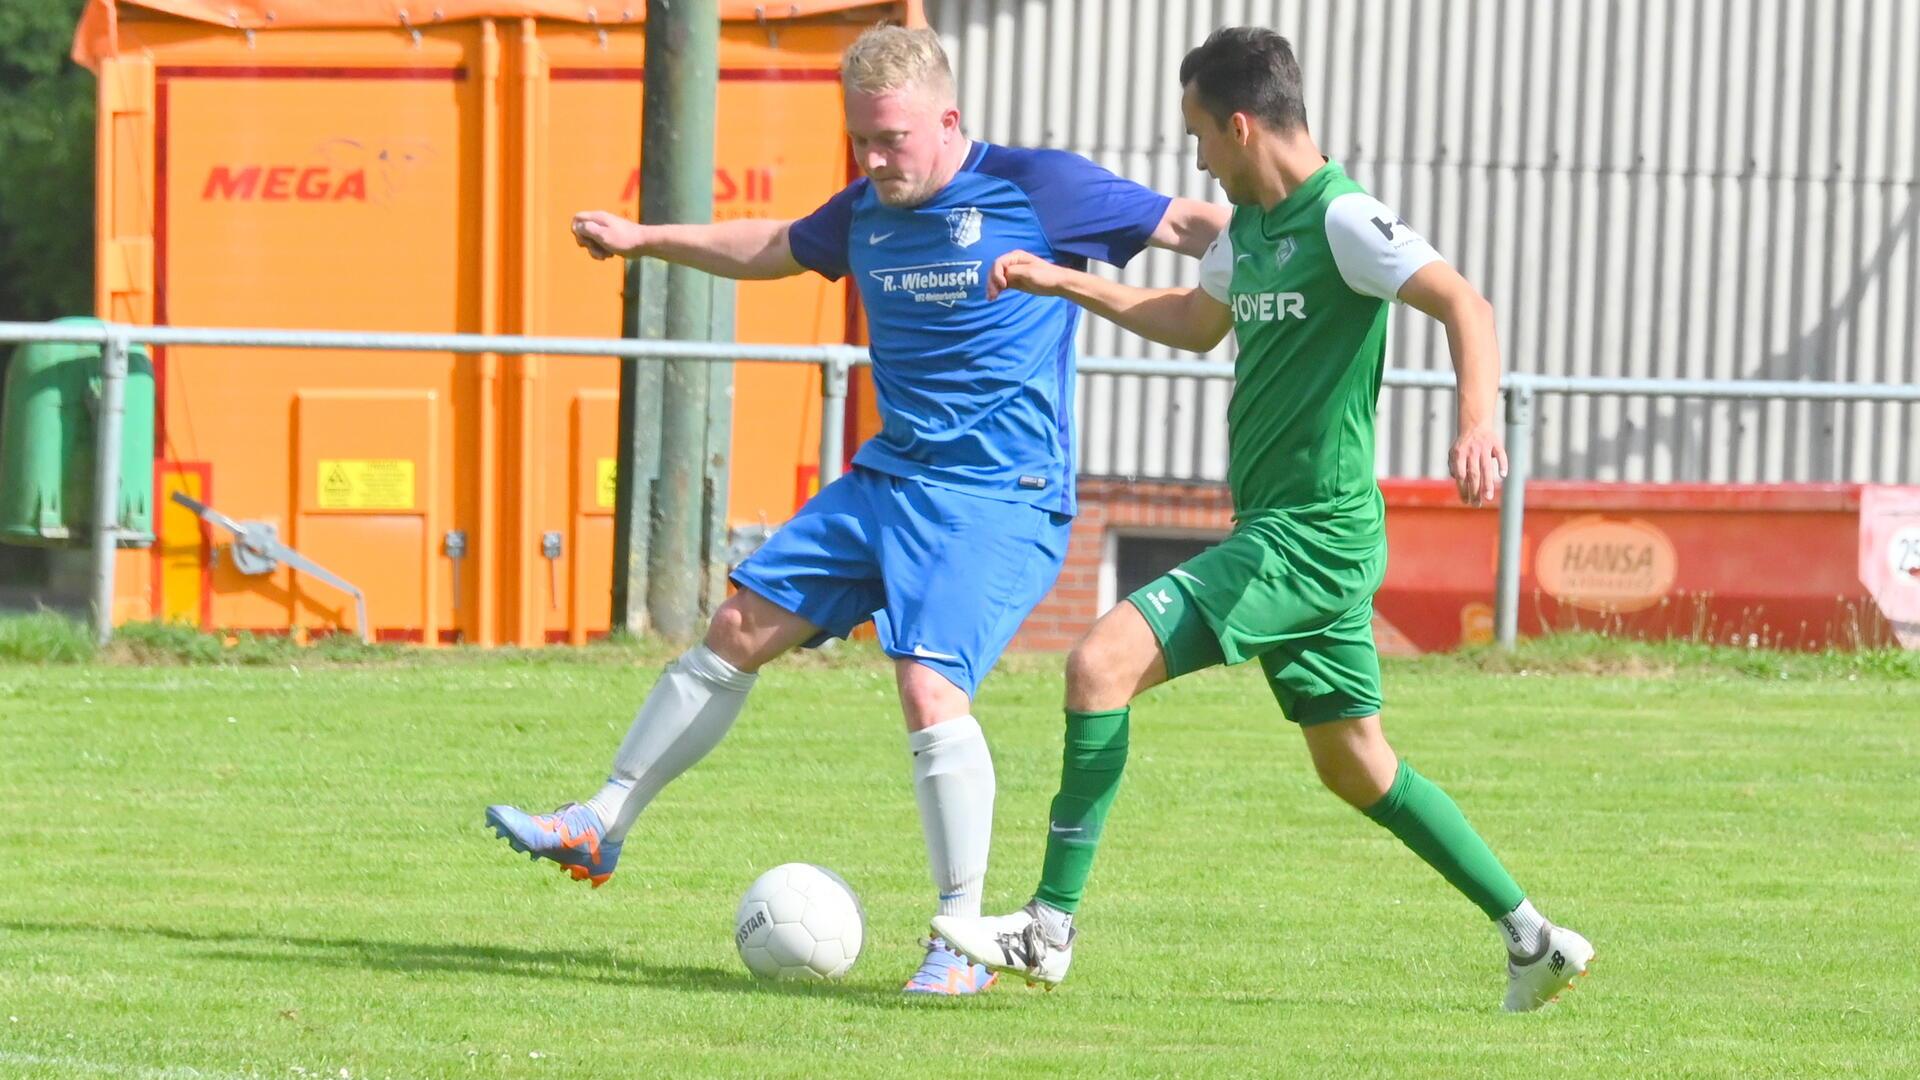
(46, 163)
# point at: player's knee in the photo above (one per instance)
(1096, 679)
(928, 697)
(730, 636)
(1347, 781)
(925, 707)
(1352, 777)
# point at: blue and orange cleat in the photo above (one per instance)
(570, 836)
(947, 972)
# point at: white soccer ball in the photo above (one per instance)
(799, 921)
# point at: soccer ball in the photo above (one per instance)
(799, 921)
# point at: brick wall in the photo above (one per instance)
(1108, 504)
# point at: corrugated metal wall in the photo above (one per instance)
(1704, 188)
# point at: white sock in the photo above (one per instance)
(953, 782)
(684, 717)
(1056, 924)
(1523, 929)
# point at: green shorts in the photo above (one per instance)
(1298, 599)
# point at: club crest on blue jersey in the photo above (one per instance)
(963, 225)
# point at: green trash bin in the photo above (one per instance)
(47, 439)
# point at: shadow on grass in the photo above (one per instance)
(607, 967)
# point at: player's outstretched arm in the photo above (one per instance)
(1479, 458)
(1182, 318)
(749, 249)
(1189, 226)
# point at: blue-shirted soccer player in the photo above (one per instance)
(953, 522)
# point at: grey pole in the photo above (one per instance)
(1513, 511)
(108, 427)
(676, 161)
(833, 419)
(638, 468)
(718, 459)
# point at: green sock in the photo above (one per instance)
(1089, 777)
(1426, 820)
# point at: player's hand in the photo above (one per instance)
(1025, 272)
(605, 235)
(1478, 463)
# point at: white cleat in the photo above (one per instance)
(1541, 979)
(1016, 944)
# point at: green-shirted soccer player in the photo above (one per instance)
(1303, 277)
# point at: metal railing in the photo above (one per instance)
(836, 362)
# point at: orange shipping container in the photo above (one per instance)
(336, 165)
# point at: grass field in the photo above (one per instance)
(275, 867)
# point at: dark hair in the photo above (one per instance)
(1247, 69)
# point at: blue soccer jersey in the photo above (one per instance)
(977, 395)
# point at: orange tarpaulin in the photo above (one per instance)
(95, 37)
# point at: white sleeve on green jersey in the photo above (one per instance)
(1216, 268)
(1375, 250)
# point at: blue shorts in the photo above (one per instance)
(946, 576)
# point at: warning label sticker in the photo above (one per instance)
(366, 484)
(603, 474)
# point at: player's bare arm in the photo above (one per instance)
(1478, 461)
(1190, 225)
(1183, 318)
(752, 249)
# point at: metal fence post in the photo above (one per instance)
(108, 427)
(1513, 511)
(833, 418)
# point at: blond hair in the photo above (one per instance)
(890, 57)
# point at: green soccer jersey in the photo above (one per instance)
(1309, 282)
